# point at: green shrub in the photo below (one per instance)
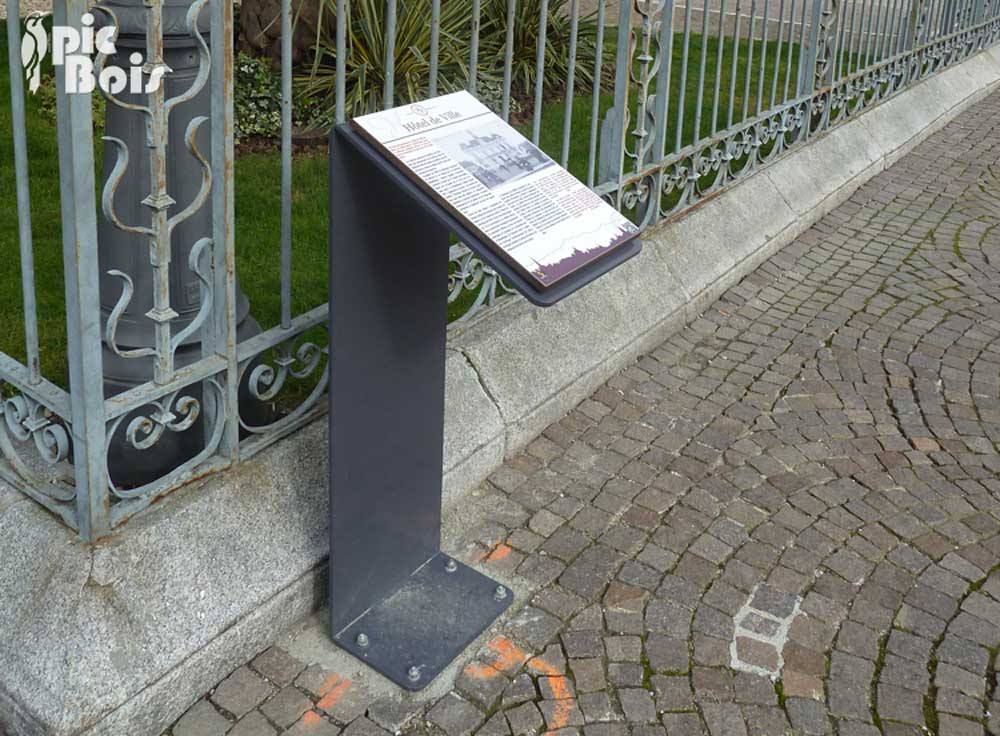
(525, 56)
(44, 99)
(257, 100)
(365, 64)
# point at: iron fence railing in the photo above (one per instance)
(669, 104)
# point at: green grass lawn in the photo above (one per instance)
(258, 201)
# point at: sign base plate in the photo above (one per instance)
(415, 633)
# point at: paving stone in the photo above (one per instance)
(520, 690)
(278, 666)
(241, 692)
(673, 692)
(801, 685)
(949, 725)
(624, 674)
(757, 653)
(623, 648)
(769, 720)
(550, 662)
(588, 674)
(455, 716)
(555, 687)
(525, 719)
(724, 719)
(533, 626)
(393, 714)
(255, 724)
(753, 688)
(317, 680)
(682, 724)
(559, 714)
(665, 654)
(637, 705)
(345, 701)
(481, 683)
(597, 707)
(312, 723)
(775, 602)
(712, 683)
(286, 707)
(363, 727)
(201, 720)
(496, 726)
(807, 717)
(544, 523)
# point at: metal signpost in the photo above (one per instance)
(396, 601)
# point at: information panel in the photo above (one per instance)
(522, 204)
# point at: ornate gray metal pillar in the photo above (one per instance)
(139, 242)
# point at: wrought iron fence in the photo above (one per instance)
(674, 103)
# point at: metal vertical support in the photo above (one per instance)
(474, 45)
(914, 25)
(343, 21)
(508, 58)
(826, 49)
(286, 164)
(220, 338)
(595, 102)
(159, 202)
(682, 89)
(387, 311)
(807, 74)
(978, 12)
(661, 100)
(543, 29)
(574, 30)
(623, 63)
(807, 71)
(23, 191)
(82, 282)
(432, 83)
(389, 93)
(395, 601)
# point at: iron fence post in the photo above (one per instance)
(978, 12)
(82, 283)
(619, 114)
(220, 338)
(807, 74)
(914, 25)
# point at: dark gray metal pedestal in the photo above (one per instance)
(396, 602)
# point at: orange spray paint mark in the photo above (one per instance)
(499, 553)
(311, 719)
(336, 693)
(479, 671)
(328, 684)
(561, 691)
(509, 655)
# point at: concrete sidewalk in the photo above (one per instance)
(785, 519)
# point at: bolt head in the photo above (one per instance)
(362, 640)
(501, 593)
(413, 674)
(450, 566)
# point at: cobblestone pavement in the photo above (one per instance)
(783, 520)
